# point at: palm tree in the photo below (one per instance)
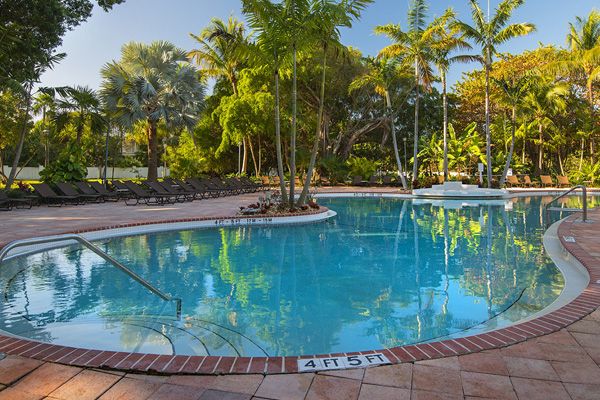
(80, 105)
(45, 105)
(543, 101)
(413, 47)
(152, 83)
(221, 55)
(489, 33)
(583, 60)
(514, 89)
(326, 18)
(26, 91)
(268, 20)
(447, 40)
(380, 74)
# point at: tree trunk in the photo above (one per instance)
(560, 163)
(245, 157)
(488, 135)
(445, 128)
(318, 130)
(256, 169)
(415, 171)
(151, 131)
(388, 102)
(293, 130)
(582, 151)
(15, 164)
(512, 146)
(278, 137)
(590, 95)
(541, 149)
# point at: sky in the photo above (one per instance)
(99, 40)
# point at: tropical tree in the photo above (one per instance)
(413, 48)
(79, 105)
(583, 60)
(380, 74)
(26, 92)
(45, 106)
(489, 33)
(152, 83)
(514, 89)
(448, 39)
(543, 101)
(326, 18)
(269, 21)
(221, 54)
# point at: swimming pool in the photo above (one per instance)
(383, 273)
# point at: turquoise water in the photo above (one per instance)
(383, 273)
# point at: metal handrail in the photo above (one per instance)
(583, 193)
(98, 251)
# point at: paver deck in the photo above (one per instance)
(562, 365)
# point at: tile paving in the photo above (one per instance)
(560, 365)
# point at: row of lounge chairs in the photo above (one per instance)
(167, 191)
(545, 181)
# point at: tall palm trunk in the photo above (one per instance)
(590, 95)
(284, 197)
(151, 132)
(512, 146)
(445, 128)
(244, 157)
(254, 162)
(416, 134)
(15, 163)
(388, 102)
(541, 149)
(293, 130)
(315, 149)
(488, 135)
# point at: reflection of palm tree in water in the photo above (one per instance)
(446, 261)
(417, 274)
(488, 260)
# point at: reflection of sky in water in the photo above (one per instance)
(382, 273)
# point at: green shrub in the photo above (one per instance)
(68, 167)
(361, 166)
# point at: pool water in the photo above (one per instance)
(383, 273)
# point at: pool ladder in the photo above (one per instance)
(584, 201)
(98, 251)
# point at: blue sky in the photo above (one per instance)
(99, 40)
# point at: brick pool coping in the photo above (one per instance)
(580, 307)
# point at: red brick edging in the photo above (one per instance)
(584, 304)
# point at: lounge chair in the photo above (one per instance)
(528, 182)
(51, 198)
(563, 181)
(373, 181)
(202, 186)
(266, 181)
(177, 191)
(512, 181)
(440, 179)
(141, 195)
(357, 180)
(158, 189)
(255, 185)
(7, 203)
(387, 180)
(69, 190)
(86, 189)
(238, 185)
(546, 180)
(217, 183)
(109, 195)
(186, 187)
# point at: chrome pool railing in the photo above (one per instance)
(584, 201)
(80, 239)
